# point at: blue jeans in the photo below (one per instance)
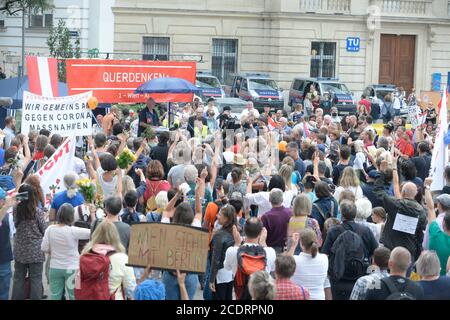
(207, 294)
(5, 280)
(173, 290)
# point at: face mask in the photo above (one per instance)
(153, 144)
(334, 114)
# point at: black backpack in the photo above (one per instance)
(84, 221)
(394, 293)
(348, 260)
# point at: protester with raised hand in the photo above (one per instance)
(439, 239)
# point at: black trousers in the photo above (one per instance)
(224, 291)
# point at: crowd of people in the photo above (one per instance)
(297, 206)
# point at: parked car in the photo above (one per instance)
(259, 88)
(338, 93)
(209, 85)
(376, 94)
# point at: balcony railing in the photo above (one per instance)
(326, 6)
(400, 8)
(406, 7)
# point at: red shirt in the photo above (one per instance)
(38, 155)
(405, 147)
(367, 104)
(154, 187)
(287, 290)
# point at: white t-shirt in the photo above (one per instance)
(360, 159)
(374, 227)
(230, 262)
(396, 103)
(245, 113)
(357, 191)
(261, 199)
(62, 242)
(109, 188)
(311, 273)
(196, 223)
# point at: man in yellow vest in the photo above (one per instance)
(197, 124)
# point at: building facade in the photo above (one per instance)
(91, 20)
(360, 42)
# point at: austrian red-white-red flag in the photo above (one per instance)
(271, 124)
(43, 76)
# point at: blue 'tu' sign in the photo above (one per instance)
(353, 44)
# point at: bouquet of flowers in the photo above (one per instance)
(87, 189)
(125, 158)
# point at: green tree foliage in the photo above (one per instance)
(12, 7)
(61, 47)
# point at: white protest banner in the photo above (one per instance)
(415, 116)
(61, 162)
(67, 116)
(439, 158)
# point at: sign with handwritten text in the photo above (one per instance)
(168, 246)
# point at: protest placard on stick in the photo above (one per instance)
(168, 247)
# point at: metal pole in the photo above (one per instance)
(168, 116)
(23, 40)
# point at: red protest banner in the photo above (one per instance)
(114, 81)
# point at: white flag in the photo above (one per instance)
(439, 158)
(51, 174)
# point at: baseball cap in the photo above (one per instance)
(227, 108)
(321, 147)
(314, 130)
(373, 174)
(444, 200)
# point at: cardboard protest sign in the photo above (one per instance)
(168, 246)
(67, 116)
(114, 81)
(429, 96)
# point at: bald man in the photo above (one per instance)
(397, 286)
(406, 218)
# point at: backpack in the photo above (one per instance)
(249, 260)
(240, 187)
(329, 213)
(299, 181)
(151, 202)
(83, 222)
(6, 180)
(131, 218)
(394, 293)
(94, 277)
(154, 217)
(347, 259)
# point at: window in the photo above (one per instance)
(39, 19)
(298, 85)
(224, 57)
(323, 59)
(244, 85)
(2, 23)
(156, 48)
